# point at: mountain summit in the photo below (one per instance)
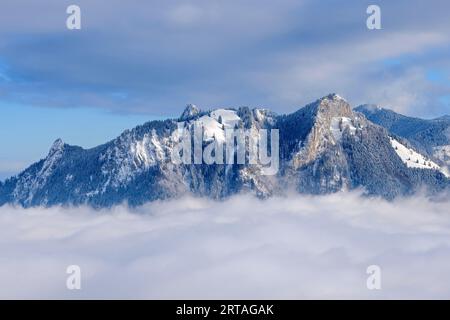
(324, 147)
(190, 111)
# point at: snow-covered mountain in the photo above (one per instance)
(430, 137)
(324, 147)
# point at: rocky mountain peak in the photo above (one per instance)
(56, 147)
(333, 105)
(331, 115)
(190, 111)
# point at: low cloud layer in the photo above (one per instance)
(294, 247)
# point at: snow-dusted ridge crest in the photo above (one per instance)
(325, 147)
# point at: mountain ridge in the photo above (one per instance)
(325, 147)
(430, 136)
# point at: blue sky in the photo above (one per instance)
(134, 61)
(29, 131)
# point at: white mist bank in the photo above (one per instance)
(294, 247)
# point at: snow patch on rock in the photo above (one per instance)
(339, 124)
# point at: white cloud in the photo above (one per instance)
(295, 247)
(354, 68)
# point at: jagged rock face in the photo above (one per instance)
(324, 147)
(312, 142)
(190, 111)
(331, 115)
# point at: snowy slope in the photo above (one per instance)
(228, 118)
(414, 159)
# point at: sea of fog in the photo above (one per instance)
(191, 248)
